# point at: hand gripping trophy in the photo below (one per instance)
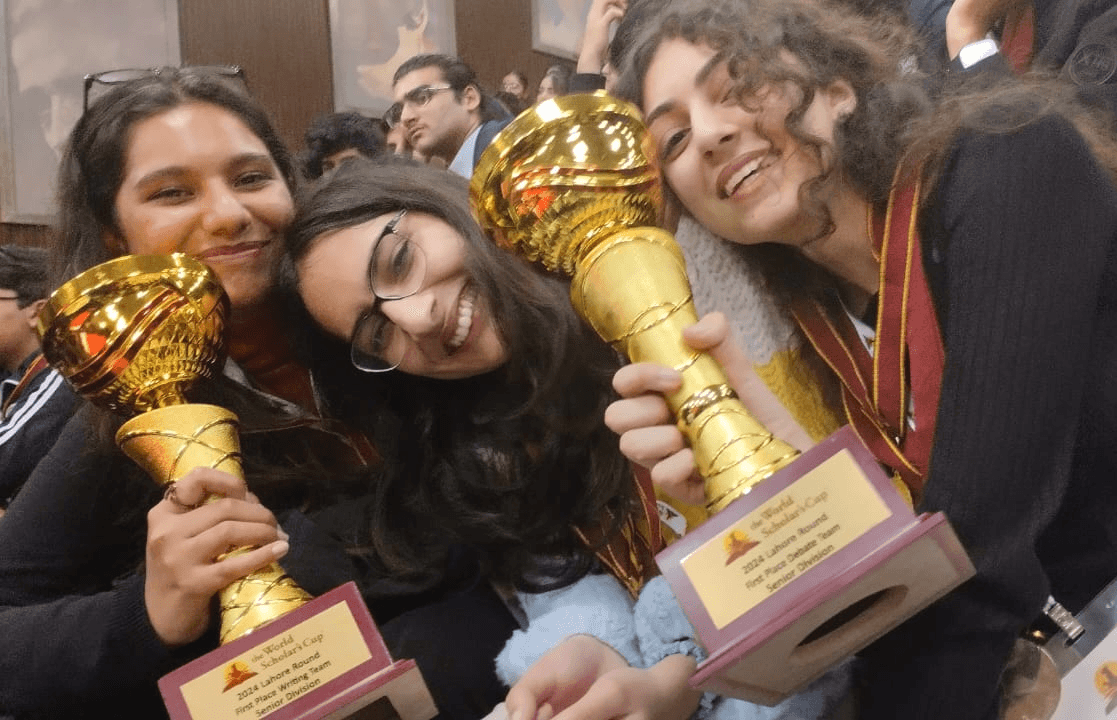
(805, 558)
(133, 335)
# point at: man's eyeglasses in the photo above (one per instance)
(420, 96)
(119, 77)
(396, 270)
(9, 297)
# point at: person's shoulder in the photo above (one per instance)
(1022, 145)
(492, 127)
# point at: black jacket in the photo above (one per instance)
(37, 403)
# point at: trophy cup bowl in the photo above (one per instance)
(805, 559)
(133, 335)
(571, 185)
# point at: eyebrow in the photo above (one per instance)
(172, 172)
(699, 78)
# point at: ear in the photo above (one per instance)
(471, 98)
(840, 98)
(33, 311)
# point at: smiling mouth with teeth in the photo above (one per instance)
(465, 318)
(745, 173)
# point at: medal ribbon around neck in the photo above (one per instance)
(876, 387)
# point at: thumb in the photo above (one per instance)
(713, 334)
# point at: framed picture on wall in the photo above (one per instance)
(369, 39)
(557, 26)
(48, 47)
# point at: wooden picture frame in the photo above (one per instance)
(47, 50)
(369, 39)
(557, 26)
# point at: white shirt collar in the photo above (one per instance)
(462, 164)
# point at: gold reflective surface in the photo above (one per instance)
(572, 184)
(132, 335)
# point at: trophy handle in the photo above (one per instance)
(642, 273)
(171, 441)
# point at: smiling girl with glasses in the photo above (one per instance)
(497, 401)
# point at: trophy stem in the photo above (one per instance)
(642, 275)
(171, 441)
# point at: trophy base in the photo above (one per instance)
(812, 565)
(323, 661)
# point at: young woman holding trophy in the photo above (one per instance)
(791, 129)
(183, 160)
(499, 390)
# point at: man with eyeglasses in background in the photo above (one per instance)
(443, 111)
(35, 402)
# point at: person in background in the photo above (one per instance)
(333, 138)
(37, 402)
(516, 83)
(601, 56)
(512, 103)
(594, 69)
(1075, 38)
(444, 112)
(395, 137)
(555, 82)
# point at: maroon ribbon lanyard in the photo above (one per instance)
(908, 355)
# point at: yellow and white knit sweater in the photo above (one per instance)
(723, 280)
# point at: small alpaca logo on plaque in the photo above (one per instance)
(737, 544)
(235, 674)
(1106, 681)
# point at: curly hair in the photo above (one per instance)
(507, 462)
(895, 129)
(335, 132)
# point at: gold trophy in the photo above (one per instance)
(133, 335)
(805, 558)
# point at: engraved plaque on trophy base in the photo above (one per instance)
(325, 660)
(812, 565)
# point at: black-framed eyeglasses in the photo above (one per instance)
(396, 270)
(126, 75)
(420, 96)
(9, 297)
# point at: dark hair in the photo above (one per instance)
(508, 461)
(512, 103)
(335, 132)
(627, 29)
(458, 75)
(560, 78)
(520, 75)
(23, 269)
(92, 167)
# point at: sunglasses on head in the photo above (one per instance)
(109, 78)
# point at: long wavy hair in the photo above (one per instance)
(896, 128)
(508, 462)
